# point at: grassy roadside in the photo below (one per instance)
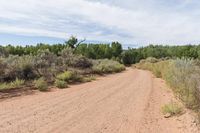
(64, 78)
(182, 75)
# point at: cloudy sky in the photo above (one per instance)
(129, 21)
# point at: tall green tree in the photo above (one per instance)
(73, 42)
(116, 49)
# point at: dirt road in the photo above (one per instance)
(127, 102)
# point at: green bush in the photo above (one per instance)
(61, 84)
(81, 62)
(172, 109)
(65, 76)
(12, 85)
(107, 66)
(17, 83)
(4, 86)
(89, 78)
(14, 67)
(128, 57)
(41, 84)
(69, 76)
(45, 64)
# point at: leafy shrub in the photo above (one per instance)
(172, 109)
(17, 67)
(128, 57)
(73, 60)
(89, 78)
(4, 86)
(41, 84)
(12, 85)
(65, 76)
(151, 60)
(81, 62)
(69, 76)
(67, 56)
(45, 64)
(17, 83)
(60, 83)
(3, 66)
(107, 66)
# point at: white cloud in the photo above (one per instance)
(130, 21)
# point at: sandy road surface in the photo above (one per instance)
(127, 102)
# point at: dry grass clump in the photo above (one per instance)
(12, 85)
(172, 109)
(152, 64)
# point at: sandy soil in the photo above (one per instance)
(127, 102)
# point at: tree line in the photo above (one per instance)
(134, 55)
(110, 51)
(93, 51)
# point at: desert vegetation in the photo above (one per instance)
(75, 61)
(171, 109)
(59, 65)
(182, 75)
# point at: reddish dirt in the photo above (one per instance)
(128, 102)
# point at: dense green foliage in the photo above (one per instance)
(93, 51)
(100, 51)
(159, 51)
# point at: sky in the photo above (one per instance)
(131, 22)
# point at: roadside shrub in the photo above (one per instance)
(17, 67)
(127, 57)
(81, 62)
(17, 83)
(172, 109)
(65, 76)
(3, 66)
(4, 86)
(158, 68)
(61, 84)
(69, 76)
(67, 56)
(152, 60)
(182, 75)
(107, 66)
(41, 84)
(89, 78)
(12, 85)
(45, 64)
